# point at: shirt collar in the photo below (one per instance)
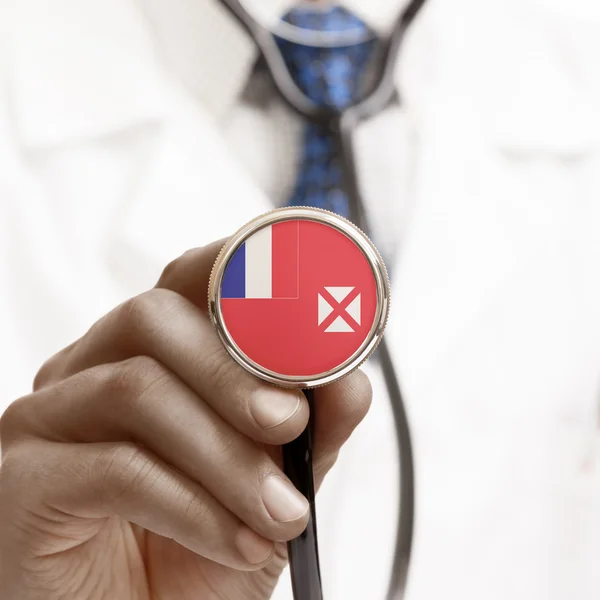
(81, 69)
(378, 14)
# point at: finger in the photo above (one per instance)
(140, 401)
(339, 409)
(62, 483)
(187, 275)
(173, 331)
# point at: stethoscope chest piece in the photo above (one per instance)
(299, 297)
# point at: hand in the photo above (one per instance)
(146, 463)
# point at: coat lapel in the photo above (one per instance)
(476, 224)
(489, 189)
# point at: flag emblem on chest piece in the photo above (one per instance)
(299, 296)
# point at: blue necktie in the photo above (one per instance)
(329, 77)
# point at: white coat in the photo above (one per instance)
(131, 131)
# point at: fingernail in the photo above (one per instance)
(254, 548)
(282, 500)
(271, 408)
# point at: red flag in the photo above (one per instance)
(299, 298)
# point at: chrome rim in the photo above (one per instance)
(377, 267)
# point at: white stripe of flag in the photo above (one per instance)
(259, 264)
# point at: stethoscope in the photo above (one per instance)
(303, 552)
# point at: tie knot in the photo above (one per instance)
(329, 76)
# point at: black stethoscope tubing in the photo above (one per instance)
(297, 456)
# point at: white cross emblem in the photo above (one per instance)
(339, 309)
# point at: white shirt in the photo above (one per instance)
(130, 131)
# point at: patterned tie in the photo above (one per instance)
(329, 77)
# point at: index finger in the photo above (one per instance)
(189, 274)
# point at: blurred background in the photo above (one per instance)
(132, 130)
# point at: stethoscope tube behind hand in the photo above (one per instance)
(303, 552)
(297, 456)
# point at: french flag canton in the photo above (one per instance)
(266, 265)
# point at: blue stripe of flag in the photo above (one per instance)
(234, 279)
